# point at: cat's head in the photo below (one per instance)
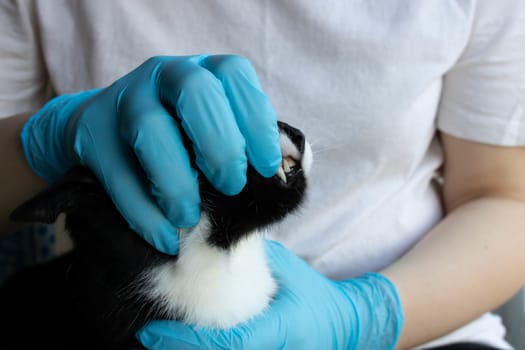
(261, 202)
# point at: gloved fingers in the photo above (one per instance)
(157, 142)
(293, 273)
(206, 117)
(140, 210)
(112, 163)
(281, 261)
(253, 112)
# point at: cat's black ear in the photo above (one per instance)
(64, 196)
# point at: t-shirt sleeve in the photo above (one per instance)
(483, 96)
(23, 78)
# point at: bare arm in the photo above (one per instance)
(17, 180)
(473, 260)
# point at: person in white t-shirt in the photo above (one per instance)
(416, 111)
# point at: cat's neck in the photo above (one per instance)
(214, 287)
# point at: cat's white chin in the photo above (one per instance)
(212, 287)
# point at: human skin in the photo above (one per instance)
(470, 263)
(17, 181)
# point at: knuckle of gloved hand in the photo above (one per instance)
(147, 71)
(154, 61)
(195, 80)
(230, 65)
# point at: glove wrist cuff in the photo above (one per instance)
(378, 311)
(44, 139)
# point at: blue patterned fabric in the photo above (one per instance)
(30, 245)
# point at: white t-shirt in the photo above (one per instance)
(369, 82)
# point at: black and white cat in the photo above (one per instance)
(112, 283)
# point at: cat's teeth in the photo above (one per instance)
(286, 165)
(281, 173)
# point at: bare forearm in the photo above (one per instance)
(466, 266)
(17, 180)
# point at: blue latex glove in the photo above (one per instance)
(129, 134)
(309, 312)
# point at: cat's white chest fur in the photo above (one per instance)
(213, 287)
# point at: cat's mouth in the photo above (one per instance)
(288, 169)
(296, 153)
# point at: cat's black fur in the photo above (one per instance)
(87, 298)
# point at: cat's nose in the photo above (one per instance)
(295, 135)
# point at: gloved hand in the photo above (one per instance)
(309, 312)
(129, 134)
